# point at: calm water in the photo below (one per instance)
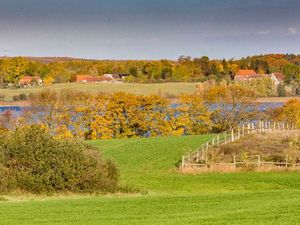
(10, 108)
(263, 106)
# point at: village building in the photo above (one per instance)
(92, 79)
(30, 81)
(244, 75)
(117, 77)
(113, 78)
(278, 78)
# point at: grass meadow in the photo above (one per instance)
(165, 89)
(168, 197)
(140, 89)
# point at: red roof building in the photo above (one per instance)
(91, 79)
(243, 75)
(246, 73)
(30, 80)
(279, 76)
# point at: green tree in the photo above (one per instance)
(292, 73)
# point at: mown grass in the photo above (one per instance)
(173, 198)
(140, 89)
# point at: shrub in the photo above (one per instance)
(23, 96)
(16, 98)
(2, 97)
(281, 90)
(297, 91)
(31, 160)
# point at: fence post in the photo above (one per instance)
(225, 138)
(260, 126)
(234, 162)
(232, 135)
(286, 161)
(218, 140)
(213, 142)
(183, 162)
(258, 160)
(238, 133)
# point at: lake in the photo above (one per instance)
(262, 107)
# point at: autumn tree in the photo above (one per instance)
(191, 116)
(292, 73)
(13, 69)
(290, 113)
(231, 104)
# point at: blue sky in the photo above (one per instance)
(149, 29)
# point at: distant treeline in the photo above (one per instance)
(186, 68)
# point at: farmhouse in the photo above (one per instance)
(30, 81)
(244, 75)
(277, 77)
(101, 79)
(116, 77)
(92, 79)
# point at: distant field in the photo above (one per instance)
(169, 89)
(173, 198)
(141, 89)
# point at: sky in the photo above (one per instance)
(149, 29)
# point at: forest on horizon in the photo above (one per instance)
(185, 68)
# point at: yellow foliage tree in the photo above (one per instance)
(231, 105)
(290, 113)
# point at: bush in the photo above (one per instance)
(281, 90)
(23, 96)
(297, 91)
(2, 97)
(16, 98)
(31, 160)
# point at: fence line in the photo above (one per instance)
(200, 157)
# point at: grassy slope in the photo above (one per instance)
(245, 198)
(171, 88)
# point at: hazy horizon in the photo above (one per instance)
(148, 29)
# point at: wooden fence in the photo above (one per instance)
(200, 157)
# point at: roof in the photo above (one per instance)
(28, 79)
(114, 76)
(280, 76)
(89, 78)
(85, 78)
(246, 73)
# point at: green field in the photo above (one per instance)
(141, 89)
(172, 198)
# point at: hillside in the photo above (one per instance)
(173, 198)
